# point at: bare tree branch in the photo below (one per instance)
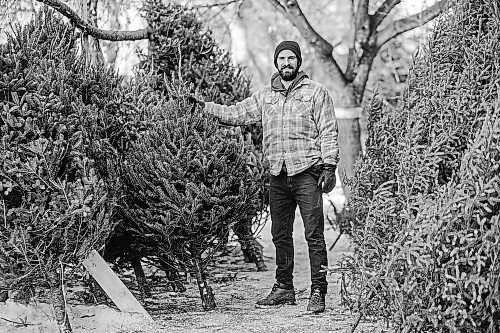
(278, 5)
(92, 30)
(218, 4)
(294, 14)
(363, 71)
(383, 11)
(410, 22)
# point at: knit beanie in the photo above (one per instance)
(288, 45)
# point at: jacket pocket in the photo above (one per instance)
(270, 104)
(303, 103)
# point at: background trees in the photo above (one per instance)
(425, 199)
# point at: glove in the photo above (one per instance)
(327, 179)
(195, 102)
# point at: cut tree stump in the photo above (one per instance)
(113, 286)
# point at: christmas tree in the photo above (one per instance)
(426, 197)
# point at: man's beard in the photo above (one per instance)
(290, 76)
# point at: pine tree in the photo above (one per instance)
(426, 197)
(54, 205)
(186, 186)
(182, 48)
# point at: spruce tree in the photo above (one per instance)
(186, 186)
(182, 48)
(185, 182)
(426, 199)
(55, 206)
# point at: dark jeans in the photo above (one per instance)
(285, 194)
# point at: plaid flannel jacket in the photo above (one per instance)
(299, 128)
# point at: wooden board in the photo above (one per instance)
(112, 285)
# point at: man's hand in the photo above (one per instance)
(327, 179)
(195, 102)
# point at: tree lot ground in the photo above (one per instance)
(237, 286)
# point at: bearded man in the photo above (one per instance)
(300, 141)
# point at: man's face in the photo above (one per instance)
(287, 65)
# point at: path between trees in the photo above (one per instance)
(237, 286)
(236, 311)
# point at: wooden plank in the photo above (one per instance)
(112, 285)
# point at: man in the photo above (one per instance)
(300, 142)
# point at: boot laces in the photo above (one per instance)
(275, 287)
(316, 297)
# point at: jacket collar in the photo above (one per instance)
(277, 85)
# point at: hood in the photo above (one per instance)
(277, 85)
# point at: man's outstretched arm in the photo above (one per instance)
(248, 111)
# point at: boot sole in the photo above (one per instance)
(314, 312)
(259, 306)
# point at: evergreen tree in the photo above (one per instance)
(181, 48)
(426, 197)
(184, 181)
(54, 205)
(186, 186)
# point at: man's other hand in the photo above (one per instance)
(327, 179)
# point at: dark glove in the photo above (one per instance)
(195, 102)
(327, 179)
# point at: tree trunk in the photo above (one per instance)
(59, 303)
(114, 23)
(175, 280)
(142, 282)
(252, 252)
(84, 14)
(348, 111)
(206, 293)
(349, 142)
(96, 55)
(172, 273)
(239, 44)
(91, 47)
